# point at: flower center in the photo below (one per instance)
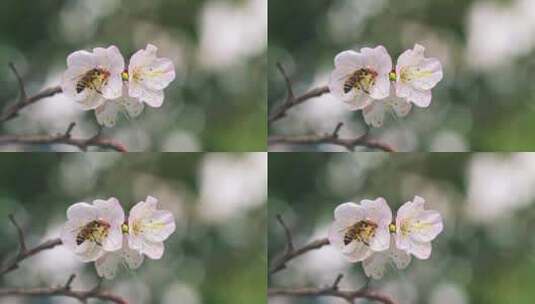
(361, 80)
(362, 231)
(409, 226)
(408, 74)
(94, 231)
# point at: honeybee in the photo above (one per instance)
(94, 231)
(362, 231)
(93, 79)
(362, 79)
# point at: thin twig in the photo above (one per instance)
(24, 100)
(291, 252)
(292, 100)
(65, 291)
(331, 138)
(24, 252)
(332, 291)
(64, 138)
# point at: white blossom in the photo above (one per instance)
(93, 77)
(416, 228)
(149, 227)
(416, 76)
(375, 265)
(374, 113)
(92, 229)
(107, 112)
(149, 75)
(359, 230)
(359, 78)
(107, 264)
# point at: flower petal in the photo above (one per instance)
(377, 211)
(375, 265)
(356, 252)
(431, 71)
(381, 240)
(374, 114)
(110, 59)
(82, 60)
(68, 233)
(336, 234)
(401, 258)
(159, 74)
(133, 258)
(400, 106)
(107, 113)
(113, 88)
(426, 226)
(359, 101)
(377, 59)
(419, 98)
(89, 251)
(421, 250)
(381, 88)
(153, 250)
(133, 106)
(82, 212)
(110, 210)
(348, 61)
(159, 226)
(107, 265)
(349, 213)
(91, 101)
(114, 240)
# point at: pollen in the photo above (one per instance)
(124, 75)
(392, 228)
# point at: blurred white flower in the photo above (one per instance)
(375, 265)
(91, 78)
(107, 264)
(91, 230)
(359, 78)
(107, 112)
(416, 76)
(148, 227)
(374, 113)
(149, 75)
(416, 228)
(359, 230)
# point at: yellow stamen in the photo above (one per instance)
(124, 228)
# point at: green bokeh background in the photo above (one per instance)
(214, 261)
(484, 255)
(207, 108)
(474, 108)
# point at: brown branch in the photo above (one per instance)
(24, 252)
(64, 138)
(65, 291)
(332, 291)
(331, 138)
(292, 100)
(24, 100)
(291, 252)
